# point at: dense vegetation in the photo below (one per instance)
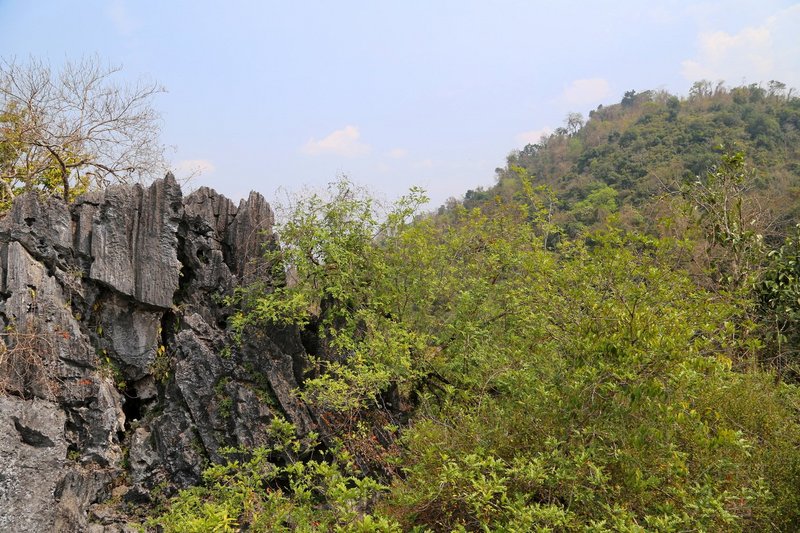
(535, 359)
(651, 143)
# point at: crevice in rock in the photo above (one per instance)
(309, 337)
(228, 256)
(202, 255)
(187, 275)
(32, 437)
(133, 408)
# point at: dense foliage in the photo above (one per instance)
(591, 386)
(650, 143)
(261, 495)
(534, 363)
(778, 293)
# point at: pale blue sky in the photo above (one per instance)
(433, 93)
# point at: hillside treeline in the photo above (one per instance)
(629, 155)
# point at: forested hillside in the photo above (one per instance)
(628, 155)
(524, 360)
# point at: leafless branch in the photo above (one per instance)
(58, 128)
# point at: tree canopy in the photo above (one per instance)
(63, 131)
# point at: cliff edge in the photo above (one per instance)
(117, 377)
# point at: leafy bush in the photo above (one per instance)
(254, 491)
(779, 297)
(594, 385)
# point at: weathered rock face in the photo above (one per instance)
(112, 380)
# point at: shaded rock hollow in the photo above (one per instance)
(112, 381)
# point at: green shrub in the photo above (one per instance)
(265, 489)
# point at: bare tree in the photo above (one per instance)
(64, 131)
(574, 122)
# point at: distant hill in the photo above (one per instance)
(628, 154)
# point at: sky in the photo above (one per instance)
(282, 96)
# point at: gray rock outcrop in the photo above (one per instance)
(118, 379)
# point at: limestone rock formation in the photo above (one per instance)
(113, 382)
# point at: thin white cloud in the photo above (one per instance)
(193, 167)
(758, 53)
(533, 136)
(344, 142)
(124, 23)
(397, 153)
(586, 91)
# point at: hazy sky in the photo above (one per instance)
(263, 95)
